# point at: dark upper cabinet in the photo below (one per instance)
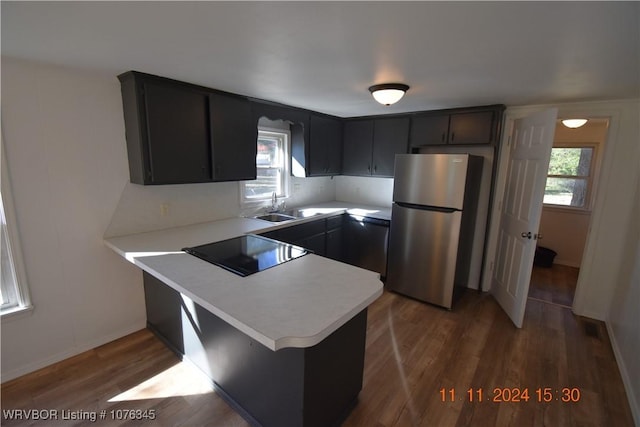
(358, 146)
(234, 138)
(472, 128)
(325, 146)
(370, 145)
(179, 133)
(479, 125)
(390, 137)
(167, 131)
(429, 129)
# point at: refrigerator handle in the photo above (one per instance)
(426, 207)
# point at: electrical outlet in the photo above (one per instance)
(164, 209)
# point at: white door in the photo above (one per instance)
(531, 142)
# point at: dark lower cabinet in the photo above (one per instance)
(315, 243)
(323, 236)
(355, 240)
(295, 387)
(310, 235)
(335, 242)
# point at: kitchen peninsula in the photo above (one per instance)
(284, 346)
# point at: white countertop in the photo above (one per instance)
(295, 304)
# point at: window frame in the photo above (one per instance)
(284, 135)
(590, 179)
(18, 291)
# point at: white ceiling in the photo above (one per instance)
(324, 55)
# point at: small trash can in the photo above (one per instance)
(544, 257)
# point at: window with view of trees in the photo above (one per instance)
(569, 177)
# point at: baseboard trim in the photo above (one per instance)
(567, 263)
(624, 373)
(34, 366)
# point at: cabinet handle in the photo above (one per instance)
(368, 168)
(375, 168)
(443, 136)
(453, 136)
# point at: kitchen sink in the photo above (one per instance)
(276, 217)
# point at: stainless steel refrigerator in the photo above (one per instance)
(435, 199)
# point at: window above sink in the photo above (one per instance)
(272, 169)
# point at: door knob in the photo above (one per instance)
(538, 236)
(526, 235)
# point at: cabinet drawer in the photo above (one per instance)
(335, 222)
(299, 232)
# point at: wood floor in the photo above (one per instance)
(413, 351)
(556, 284)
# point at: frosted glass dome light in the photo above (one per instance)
(574, 123)
(388, 93)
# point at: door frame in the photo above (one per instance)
(591, 299)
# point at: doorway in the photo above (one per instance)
(566, 213)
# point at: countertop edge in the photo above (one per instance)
(274, 344)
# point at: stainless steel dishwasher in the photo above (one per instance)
(366, 241)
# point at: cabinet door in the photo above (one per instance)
(429, 130)
(177, 134)
(358, 144)
(164, 313)
(472, 128)
(314, 243)
(233, 138)
(325, 146)
(335, 244)
(390, 137)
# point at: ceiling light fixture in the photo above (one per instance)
(388, 93)
(574, 123)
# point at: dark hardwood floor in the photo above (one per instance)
(413, 351)
(556, 284)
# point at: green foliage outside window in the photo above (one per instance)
(568, 176)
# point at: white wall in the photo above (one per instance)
(564, 232)
(623, 320)
(365, 190)
(63, 131)
(63, 134)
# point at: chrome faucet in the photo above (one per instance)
(274, 202)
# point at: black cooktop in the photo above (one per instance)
(247, 254)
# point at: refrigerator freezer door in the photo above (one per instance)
(423, 248)
(431, 179)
